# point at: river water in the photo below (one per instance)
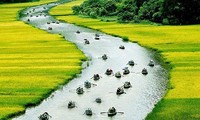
(137, 102)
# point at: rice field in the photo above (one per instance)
(179, 46)
(33, 63)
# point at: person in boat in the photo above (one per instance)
(79, 90)
(50, 28)
(96, 77)
(78, 32)
(121, 47)
(104, 57)
(112, 111)
(98, 100)
(97, 35)
(144, 71)
(71, 104)
(131, 63)
(127, 85)
(109, 72)
(118, 75)
(126, 71)
(88, 112)
(87, 41)
(87, 84)
(151, 63)
(44, 116)
(120, 91)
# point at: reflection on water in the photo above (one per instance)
(135, 103)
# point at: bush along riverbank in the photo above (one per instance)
(33, 63)
(179, 45)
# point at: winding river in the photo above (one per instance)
(136, 103)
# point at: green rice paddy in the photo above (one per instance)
(179, 46)
(33, 63)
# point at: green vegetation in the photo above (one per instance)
(160, 11)
(33, 63)
(179, 45)
(16, 1)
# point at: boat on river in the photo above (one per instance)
(121, 47)
(144, 71)
(78, 32)
(96, 77)
(151, 63)
(50, 28)
(109, 72)
(87, 41)
(79, 90)
(112, 112)
(120, 91)
(87, 84)
(118, 75)
(88, 112)
(131, 63)
(127, 85)
(104, 57)
(71, 104)
(126, 71)
(98, 100)
(44, 116)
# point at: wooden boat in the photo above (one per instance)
(78, 32)
(126, 71)
(112, 112)
(121, 47)
(118, 75)
(97, 38)
(87, 41)
(44, 116)
(96, 77)
(104, 57)
(131, 63)
(120, 91)
(71, 104)
(144, 71)
(98, 100)
(88, 112)
(127, 85)
(87, 84)
(50, 28)
(79, 90)
(151, 63)
(109, 72)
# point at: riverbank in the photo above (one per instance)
(33, 63)
(179, 45)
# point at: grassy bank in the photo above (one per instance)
(179, 45)
(33, 63)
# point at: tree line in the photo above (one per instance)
(173, 12)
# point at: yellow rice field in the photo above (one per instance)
(33, 63)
